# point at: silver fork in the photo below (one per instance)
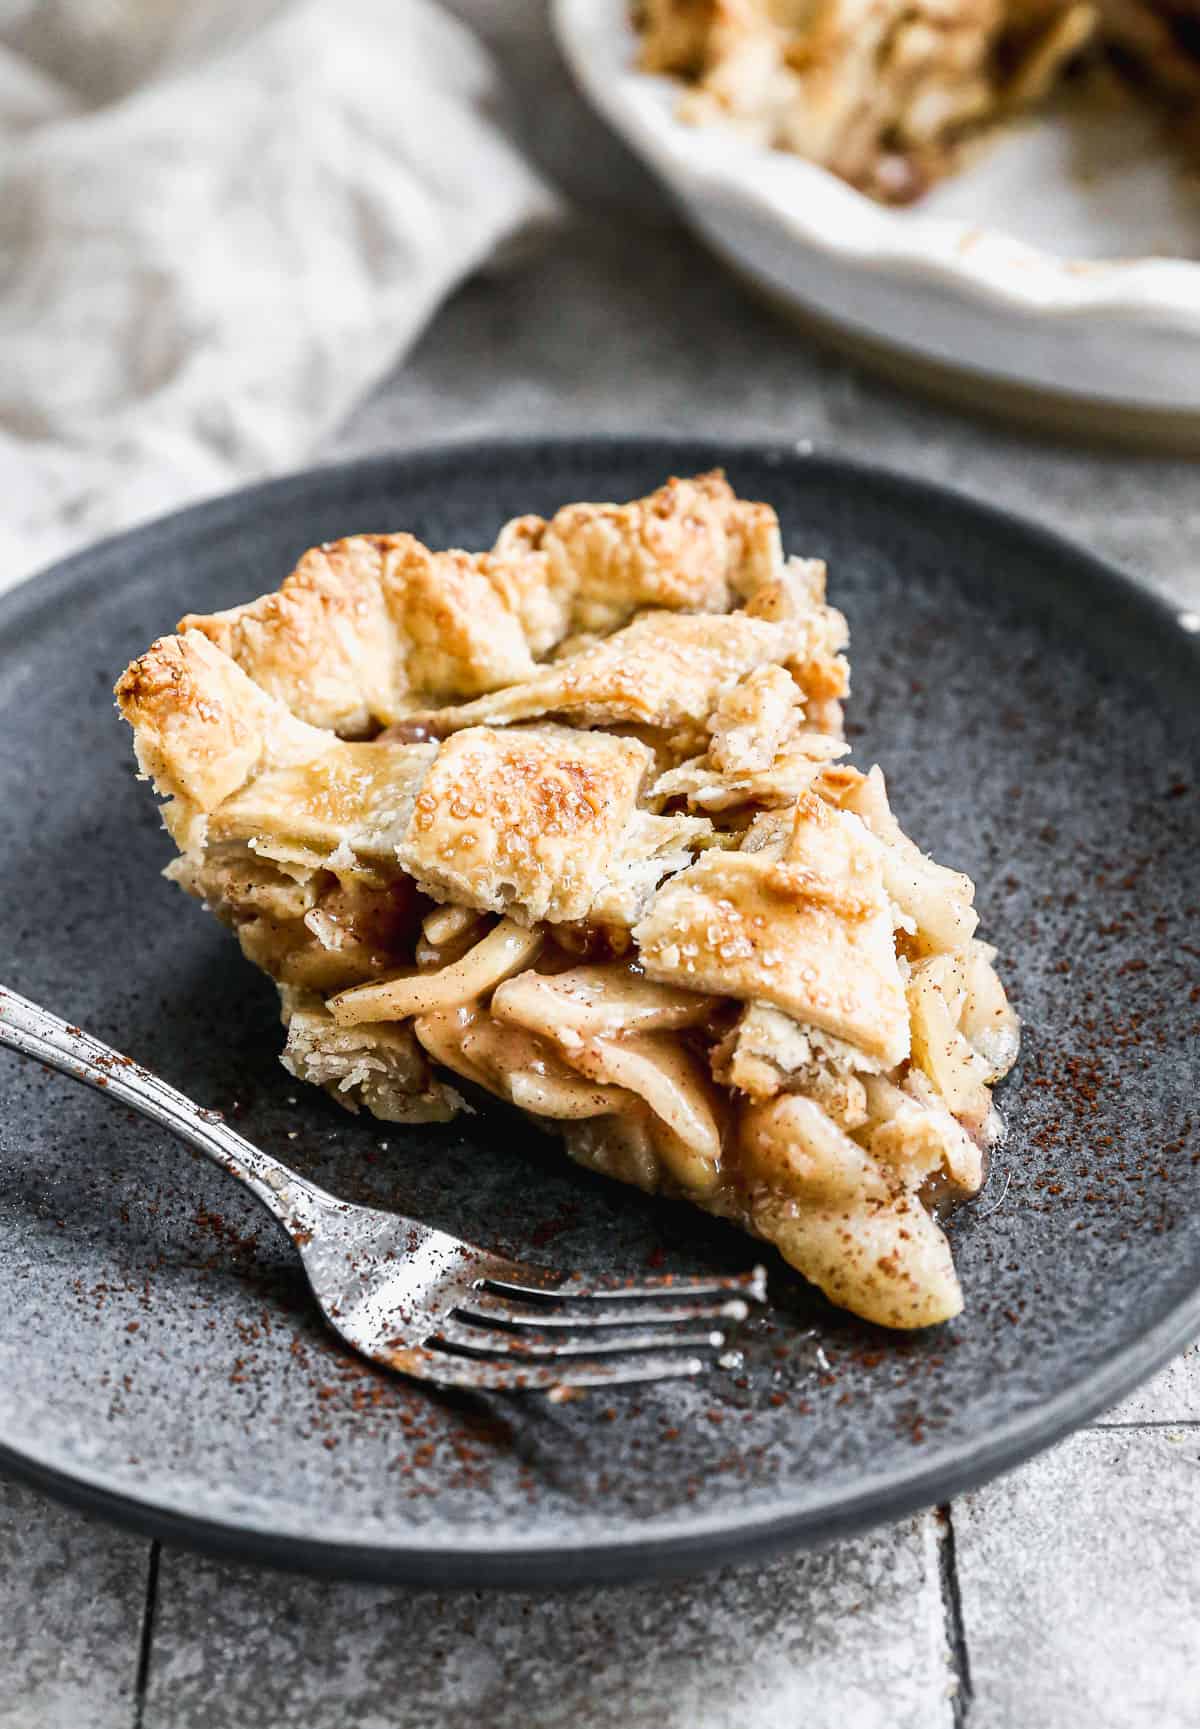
(415, 1299)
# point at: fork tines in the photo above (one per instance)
(507, 1374)
(510, 1336)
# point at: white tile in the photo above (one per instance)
(71, 1600)
(1081, 1588)
(851, 1636)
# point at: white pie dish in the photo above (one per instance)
(1026, 270)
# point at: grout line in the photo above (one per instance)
(952, 1610)
(149, 1617)
(1157, 1423)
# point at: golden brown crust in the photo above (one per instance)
(527, 820)
(811, 933)
(366, 629)
(664, 671)
(343, 639)
(355, 800)
(691, 546)
(202, 728)
(538, 821)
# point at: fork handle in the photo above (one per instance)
(35, 1033)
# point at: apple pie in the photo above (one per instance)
(884, 93)
(570, 822)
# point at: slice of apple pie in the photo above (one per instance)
(568, 821)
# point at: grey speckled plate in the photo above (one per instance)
(159, 1360)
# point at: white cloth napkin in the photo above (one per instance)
(219, 223)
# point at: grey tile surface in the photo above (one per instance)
(1078, 1582)
(72, 1595)
(1080, 1589)
(853, 1635)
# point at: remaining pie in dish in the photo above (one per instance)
(885, 92)
(569, 821)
